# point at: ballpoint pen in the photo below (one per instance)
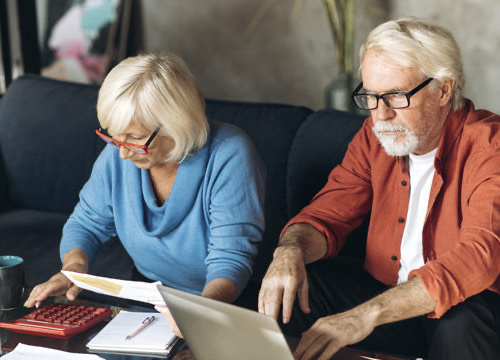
(147, 321)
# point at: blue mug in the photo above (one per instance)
(11, 281)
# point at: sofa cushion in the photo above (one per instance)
(319, 146)
(272, 128)
(45, 171)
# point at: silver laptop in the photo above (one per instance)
(215, 330)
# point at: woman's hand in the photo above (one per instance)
(76, 260)
(170, 320)
(57, 285)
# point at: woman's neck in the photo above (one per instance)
(162, 178)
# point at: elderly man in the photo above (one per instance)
(426, 164)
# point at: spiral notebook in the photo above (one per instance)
(154, 340)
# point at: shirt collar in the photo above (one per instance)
(452, 128)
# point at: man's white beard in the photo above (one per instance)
(394, 145)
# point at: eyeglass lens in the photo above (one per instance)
(394, 101)
(138, 150)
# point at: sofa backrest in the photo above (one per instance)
(4, 194)
(46, 171)
(272, 128)
(319, 146)
(43, 169)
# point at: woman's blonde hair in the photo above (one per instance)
(155, 90)
(411, 42)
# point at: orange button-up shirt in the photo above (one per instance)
(461, 233)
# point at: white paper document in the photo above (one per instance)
(28, 352)
(154, 339)
(132, 290)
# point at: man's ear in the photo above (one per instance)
(446, 91)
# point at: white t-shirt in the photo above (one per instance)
(421, 169)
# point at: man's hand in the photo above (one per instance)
(329, 334)
(285, 278)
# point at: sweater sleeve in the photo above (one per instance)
(340, 206)
(472, 265)
(235, 206)
(91, 224)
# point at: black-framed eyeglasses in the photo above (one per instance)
(393, 100)
(139, 149)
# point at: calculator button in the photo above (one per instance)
(58, 320)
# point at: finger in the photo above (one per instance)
(330, 350)
(310, 345)
(38, 295)
(316, 350)
(288, 300)
(272, 302)
(31, 301)
(303, 295)
(304, 344)
(73, 292)
(263, 294)
(261, 300)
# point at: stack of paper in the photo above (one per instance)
(154, 339)
(133, 290)
(28, 352)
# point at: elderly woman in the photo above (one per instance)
(183, 194)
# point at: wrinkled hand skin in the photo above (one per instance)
(76, 260)
(57, 285)
(329, 334)
(285, 279)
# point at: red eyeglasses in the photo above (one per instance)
(139, 149)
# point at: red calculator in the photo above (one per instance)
(58, 320)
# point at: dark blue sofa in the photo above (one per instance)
(48, 147)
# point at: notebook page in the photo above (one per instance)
(154, 338)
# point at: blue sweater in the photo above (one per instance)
(208, 228)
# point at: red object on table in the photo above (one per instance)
(58, 320)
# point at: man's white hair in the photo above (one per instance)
(411, 42)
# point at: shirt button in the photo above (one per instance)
(394, 257)
(401, 220)
(404, 183)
